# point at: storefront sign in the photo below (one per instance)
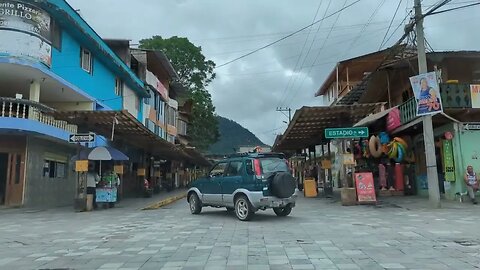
(393, 119)
(471, 126)
(346, 133)
(365, 187)
(427, 93)
(475, 95)
(448, 163)
(25, 31)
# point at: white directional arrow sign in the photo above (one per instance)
(81, 138)
(471, 126)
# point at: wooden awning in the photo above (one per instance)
(308, 124)
(197, 158)
(128, 130)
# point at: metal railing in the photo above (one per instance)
(408, 111)
(26, 109)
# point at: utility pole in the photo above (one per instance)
(428, 138)
(286, 109)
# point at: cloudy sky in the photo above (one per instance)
(288, 73)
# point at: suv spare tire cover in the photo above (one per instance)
(283, 185)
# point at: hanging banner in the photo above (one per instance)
(427, 93)
(365, 187)
(475, 95)
(448, 163)
(393, 119)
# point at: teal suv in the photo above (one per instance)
(246, 183)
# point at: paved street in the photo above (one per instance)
(320, 234)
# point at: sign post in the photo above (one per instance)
(346, 133)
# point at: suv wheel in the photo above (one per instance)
(195, 204)
(243, 208)
(283, 211)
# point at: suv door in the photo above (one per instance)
(232, 180)
(212, 191)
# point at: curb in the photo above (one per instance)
(165, 202)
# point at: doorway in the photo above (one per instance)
(3, 177)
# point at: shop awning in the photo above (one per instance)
(373, 118)
(128, 130)
(308, 124)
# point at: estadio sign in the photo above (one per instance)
(25, 31)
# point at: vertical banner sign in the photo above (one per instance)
(365, 187)
(475, 95)
(25, 31)
(448, 163)
(427, 93)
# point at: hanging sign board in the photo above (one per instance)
(81, 166)
(118, 169)
(141, 172)
(326, 164)
(365, 187)
(448, 163)
(348, 159)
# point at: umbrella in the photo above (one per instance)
(102, 153)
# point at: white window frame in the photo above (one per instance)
(86, 60)
(118, 87)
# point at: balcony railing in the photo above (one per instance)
(26, 109)
(456, 95)
(408, 111)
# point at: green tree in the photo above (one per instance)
(195, 72)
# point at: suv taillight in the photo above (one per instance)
(257, 167)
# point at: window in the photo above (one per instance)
(54, 169)
(147, 100)
(270, 165)
(118, 87)
(234, 168)
(249, 167)
(56, 35)
(86, 60)
(172, 117)
(182, 127)
(218, 169)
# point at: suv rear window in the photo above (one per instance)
(270, 165)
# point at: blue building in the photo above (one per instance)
(51, 60)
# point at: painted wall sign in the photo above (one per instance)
(393, 119)
(427, 93)
(25, 31)
(475, 95)
(448, 162)
(365, 187)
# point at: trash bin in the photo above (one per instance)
(310, 188)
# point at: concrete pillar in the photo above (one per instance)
(35, 91)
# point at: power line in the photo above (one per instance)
(366, 25)
(304, 45)
(455, 8)
(390, 25)
(285, 37)
(401, 23)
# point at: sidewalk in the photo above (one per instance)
(133, 203)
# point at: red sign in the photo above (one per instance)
(393, 119)
(365, 187)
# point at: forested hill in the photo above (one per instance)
(232, 137)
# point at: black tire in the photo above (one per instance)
(195, 204)
(243, 208)
(283, 185)
(283, 211)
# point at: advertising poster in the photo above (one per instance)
(25, 31)
(427, 93)
(475, 95)
(365, 187)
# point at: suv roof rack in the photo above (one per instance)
(256, 154)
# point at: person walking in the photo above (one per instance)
(471, 181)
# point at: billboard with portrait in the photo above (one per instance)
(427, 93)
(25, 31)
